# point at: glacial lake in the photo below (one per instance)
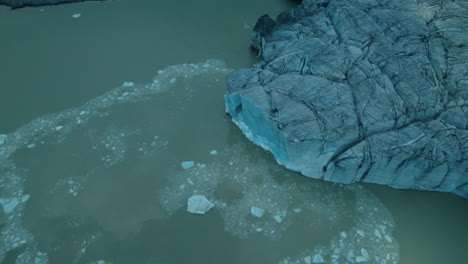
(102, 102)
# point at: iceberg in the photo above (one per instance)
(343, 95)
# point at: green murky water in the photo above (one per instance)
(90, 169)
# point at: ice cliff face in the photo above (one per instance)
(364, 90)
(24, 3)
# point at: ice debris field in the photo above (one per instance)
(252, 195)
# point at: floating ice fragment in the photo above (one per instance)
(343, 234)
(246, 26)
(201, 165)
(206, 65)
(256, 211)
(57, 128)
(9, 204)
(214, 152)
(30, 146)
(76, 15)
(278, 218)
(308, 260)
(128, 84)
(297, 210)
(198, 204)
(318, 258)
(173, 80)
(187, 164)
(2, 138)
(25, 198)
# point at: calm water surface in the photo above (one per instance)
(99, 113)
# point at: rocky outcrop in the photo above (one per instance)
(361, 90)
(34, 3)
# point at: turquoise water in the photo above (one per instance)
(90, 169)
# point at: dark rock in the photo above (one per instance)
(34, 3)
(364, 90)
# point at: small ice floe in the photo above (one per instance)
(128, 84)
(318, 259)
(9, 205)
(297, 210)
(76, 15)
(308, 260)
(206, 65)
(214, 152)
(173, 80)
(2, 138)
(198, 204)
(201, 165)
(58, 128)
(187, 164)
(343, 234)
(30, 146)
(246, 26)
(256, 211)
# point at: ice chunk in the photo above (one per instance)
(278, 218)
(128, 84)
(206, 65)
(364, 253)
(256, 211)
(9, 204)
(214, 152)
(343, 234)
(360, 232)
(198, 204)
(25, 198)
(76, 15)
(297, 210)
(388, 238)
(308, 260)
(173, 80)
(360, 259)
(2, 138)
(57, 128)
(377, 234)
(187, 164)
(30, 146)
(318, 258)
